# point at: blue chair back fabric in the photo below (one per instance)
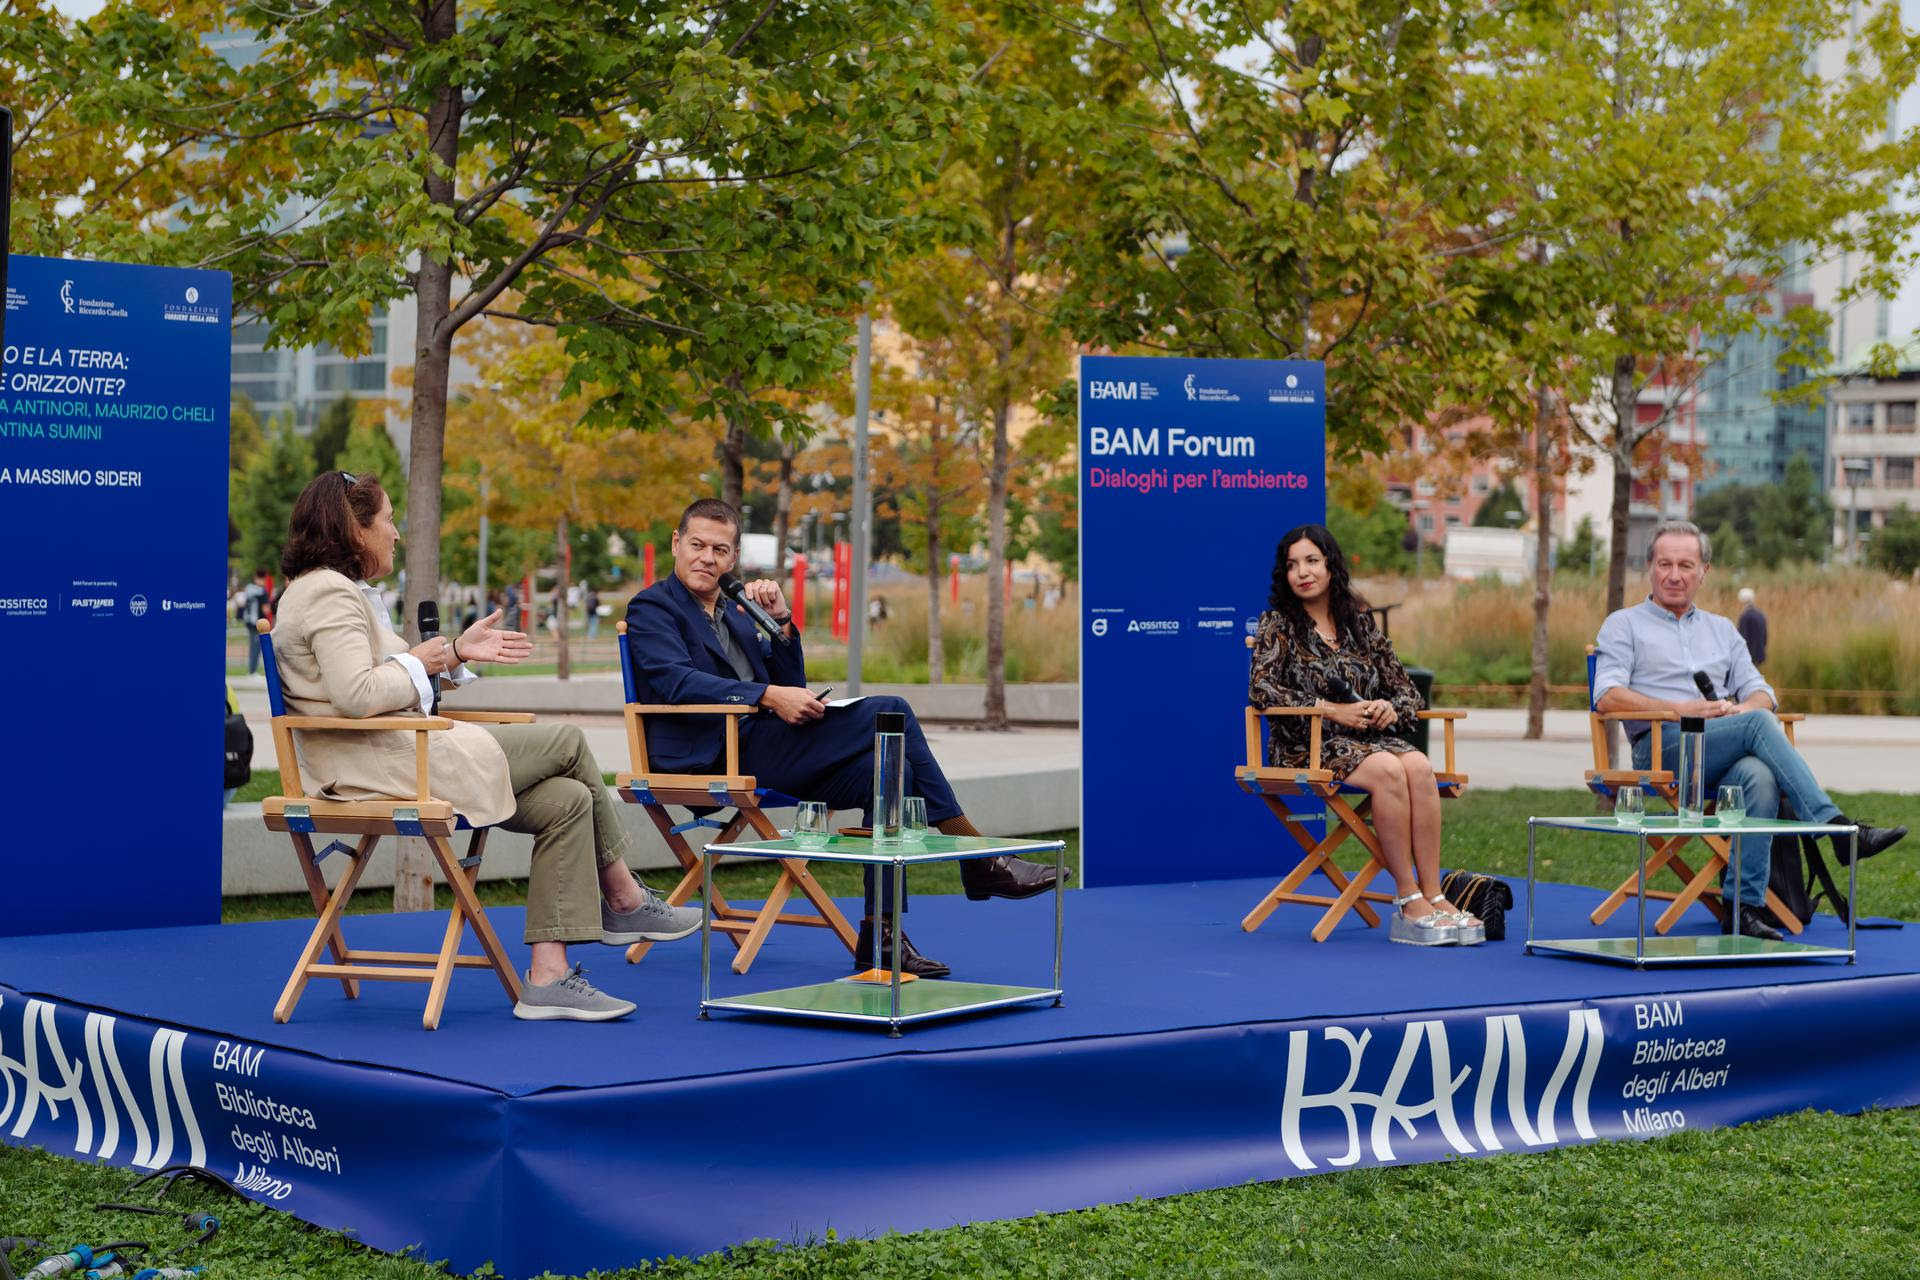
(1593, 664)
(275, 702)
(626, 671)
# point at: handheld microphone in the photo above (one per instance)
(736, 591)
(1705, 686)
(429, 618)
(1339, 690)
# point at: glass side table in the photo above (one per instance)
(896, 1003)
(1640, 950)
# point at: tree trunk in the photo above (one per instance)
(783, 509)
(733, 457)
(936, 642)
(432, 362)
(1626, 427)
(564, 668)
(1542, 562)
(996, 716)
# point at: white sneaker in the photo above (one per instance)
(571, 998)
(652, 921)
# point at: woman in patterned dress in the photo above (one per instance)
(1317, 646)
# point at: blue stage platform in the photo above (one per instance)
(1188, 1055)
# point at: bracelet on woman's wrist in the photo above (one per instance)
(458, 661)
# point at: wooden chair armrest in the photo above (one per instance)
(1789, 717)
(382, 723)
(1638, 715)
(691, 709)
(488, 717)
(1441, 715)
(1316, 723)
(1446, 716)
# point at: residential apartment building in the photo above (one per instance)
(1875, 446)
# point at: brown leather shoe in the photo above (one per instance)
(1004, 877)
(911, 961)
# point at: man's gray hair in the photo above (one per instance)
(1686, 527)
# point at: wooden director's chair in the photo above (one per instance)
(1665, 852)
(1276, 786)
(705, 796)
(302, 817)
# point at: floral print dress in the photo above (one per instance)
(1292, 671)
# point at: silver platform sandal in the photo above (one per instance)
(1435, 929)
(1471, 931)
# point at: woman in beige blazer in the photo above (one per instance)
(339, 655)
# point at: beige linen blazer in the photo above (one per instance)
(332, 651)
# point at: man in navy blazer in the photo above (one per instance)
(689, 646)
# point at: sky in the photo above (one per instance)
(1905, 312)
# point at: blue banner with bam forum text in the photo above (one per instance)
(113, 510)
(1190, 470)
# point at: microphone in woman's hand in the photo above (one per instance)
(1338, 689)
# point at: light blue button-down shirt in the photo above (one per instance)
(1646, 649)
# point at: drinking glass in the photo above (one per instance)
(1730, 806)
(1630, 807)
(810, 825)
(913, 819)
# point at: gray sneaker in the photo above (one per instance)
(571, 998)
(652, 921)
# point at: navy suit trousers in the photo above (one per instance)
(831, 760)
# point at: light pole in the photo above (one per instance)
(1858, 470)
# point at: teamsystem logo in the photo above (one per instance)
(169, 606)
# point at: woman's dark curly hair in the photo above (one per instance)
(1346, 607)
(327, 517)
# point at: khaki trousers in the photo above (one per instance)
(561, 801)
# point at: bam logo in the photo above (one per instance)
(91, 1096)
(1114, 390)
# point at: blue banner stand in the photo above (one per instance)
(1190, 470)
(113, 506)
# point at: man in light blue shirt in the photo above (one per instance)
(1648, 656)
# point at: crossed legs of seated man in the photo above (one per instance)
(830, 759)
(579, 888)
(1750, 750)
(1404, 804)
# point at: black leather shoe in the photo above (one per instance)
(1004, 877)
(911, 961)
(1752, 925)
(1872, 840)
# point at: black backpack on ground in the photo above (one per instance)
(1800, 877)
(239, 750)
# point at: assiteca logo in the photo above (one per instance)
(25, 606)
(1154, 627)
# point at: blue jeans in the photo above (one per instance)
(1750, 751)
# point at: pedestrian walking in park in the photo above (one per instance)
(254, 598)
(1752, 626)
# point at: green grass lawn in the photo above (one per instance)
(1808, 1194)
